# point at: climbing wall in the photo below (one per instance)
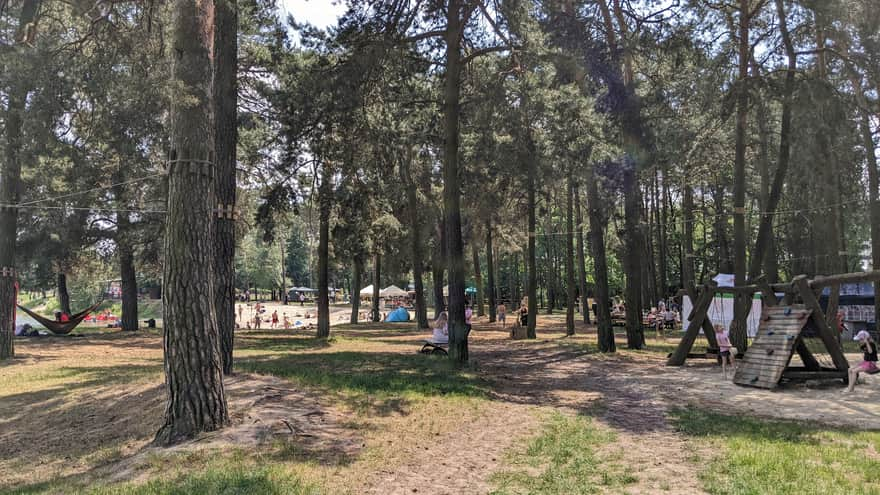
(770, 352)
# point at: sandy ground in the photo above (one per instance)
(114, 407)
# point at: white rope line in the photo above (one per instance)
(81, 193)
(82, 208)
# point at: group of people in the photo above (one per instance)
(257, 318)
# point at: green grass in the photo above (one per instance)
(781, 457)
(562, 459)
(370, 381)
(192, 473)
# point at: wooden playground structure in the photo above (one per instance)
(786, 326)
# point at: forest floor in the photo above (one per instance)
(364, 413)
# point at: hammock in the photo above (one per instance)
(61, 327)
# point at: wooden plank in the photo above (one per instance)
(846, 278)
(833, 304)
(826, 334)
(806, 356)
(701, 307)
(774, 359)
(814, 375)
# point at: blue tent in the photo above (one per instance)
(398, 315)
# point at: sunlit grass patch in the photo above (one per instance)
(562, 459)
(782, 457)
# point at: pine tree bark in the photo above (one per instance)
(225, 145)
(569, 254)
(437, 268)
(10, 185)
(376, 316)
(62, 292)
(478, 279)
(532, 269)
(127, 273)
(688, 218)
(458, 345)
(581, 261)
(605, 332)
(415, 242)
(193, 375)
(490, 273)
(739, 330)
(356, 289)
(326, 200)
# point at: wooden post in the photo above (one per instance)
(698, 317)
(833, 305)
(829, 337)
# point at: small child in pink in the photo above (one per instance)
(725, 348)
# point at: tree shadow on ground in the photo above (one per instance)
(380, 382)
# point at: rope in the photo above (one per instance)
(84, 208)
(81, 193)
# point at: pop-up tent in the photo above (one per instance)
(398, 315)
(393, 291)
(367, 291)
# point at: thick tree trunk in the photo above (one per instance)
(635, 335)
(490, 272)
(225, 142)
(478, 279)
(530, 254)
(605, 332)
(193, 375)
(10, 185)
(458, 345)
(326, 199)
(415, 243)
(437, 269)
(356, 289)
(376, 315)
(688, 218)
(63, 293)
(738, 331)
(581, 261)
(128, 275)
(569, 255)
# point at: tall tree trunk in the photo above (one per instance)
(569, 254)
(478, 279)
(663, 266)
(127, 273)
(63, 293)
(326, 199)
(415, 242)
(725, 263)
(193, 375)
(10, 184)
(225, 143)
(377, 280)
(530, 255)
(605, 332)
(437, 267)
(356, 289)
(739, 330)
(688, 219)
(581, 262)
(490, 272)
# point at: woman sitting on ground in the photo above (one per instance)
(441, 329)
(869, 359)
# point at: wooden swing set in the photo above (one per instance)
(784, 325)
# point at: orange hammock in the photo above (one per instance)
(61, 327)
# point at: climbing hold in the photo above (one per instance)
(787, 311)
(753, 380)
(771, 332)
(769, 352)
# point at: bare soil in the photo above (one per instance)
(89, 406)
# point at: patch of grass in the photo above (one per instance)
(367, 377)
(192, 474)
(562, 459)
(781, 457)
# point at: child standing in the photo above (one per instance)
(869, 359)
(725, 349)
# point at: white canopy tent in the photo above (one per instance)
(368, 291)
(393, 291)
